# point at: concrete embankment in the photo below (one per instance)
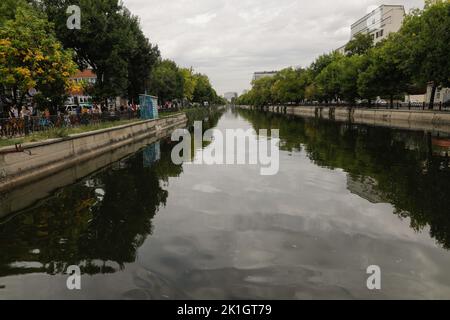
(43, 160)
(427, 120)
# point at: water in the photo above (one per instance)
(346, 197)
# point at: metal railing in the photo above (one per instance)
(437, 106)
(17, 127)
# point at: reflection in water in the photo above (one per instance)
(100, 220)
(147, 228)
(399, 167)
(98, 223)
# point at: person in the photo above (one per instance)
(16, 112)
(25, 115)
(10, 113)
(23, 111)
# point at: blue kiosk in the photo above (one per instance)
(148, 107)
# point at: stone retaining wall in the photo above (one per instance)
(405, 119)
(42, 159)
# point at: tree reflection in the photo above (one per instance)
(98, 223)
(396, 166)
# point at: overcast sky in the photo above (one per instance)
(230, 39)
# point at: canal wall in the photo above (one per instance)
(41, 160)
(427, 120)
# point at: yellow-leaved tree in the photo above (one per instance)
(32, 58)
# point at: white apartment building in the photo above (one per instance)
(380, 22)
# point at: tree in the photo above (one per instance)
(110, 41)
(426, 45)
(32, 57)
(350, 68)
(190, 83)
(328, 80)
(142, 60)
(288, 86)
(166, 81)
(361, 44)
(8, 9)
(385, 74)
(262, 91)
(322, 62)
(203, 91)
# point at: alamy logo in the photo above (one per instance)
(74, 20)
(374, 280)
(74, 280)
(238, 147)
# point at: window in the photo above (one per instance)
(381, 32)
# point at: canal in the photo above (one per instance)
(346, 197)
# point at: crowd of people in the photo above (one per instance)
(17, 121)
(20, 120)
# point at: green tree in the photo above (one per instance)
(167, 81)
(262, 91)
(8, 9)
(322, 62)
(203, 91)
(288, 86)
(142, 60)
(328, 80)
(350, 68)
(426, 37)
(385, 74)
(110, 41)
(190, 82)
(361, 44)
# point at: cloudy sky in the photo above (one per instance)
(230, 39)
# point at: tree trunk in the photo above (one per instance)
(392, 102)
(433, 93)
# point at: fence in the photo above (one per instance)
(438, 106)
(16, 127)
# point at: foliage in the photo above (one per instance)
(403, 63)
(110, 41)
(361, 44)
(190, 83)
(32, 57)
(166, 81)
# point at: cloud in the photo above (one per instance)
(230, 39)
(201, 19)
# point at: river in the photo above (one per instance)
(346, 197)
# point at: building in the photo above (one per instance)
(79, 96)
(379, 23)
(442, 95)
(263, 74)
(341, 50)
(229, 96)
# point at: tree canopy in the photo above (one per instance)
(32, 58)
(403, 63)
